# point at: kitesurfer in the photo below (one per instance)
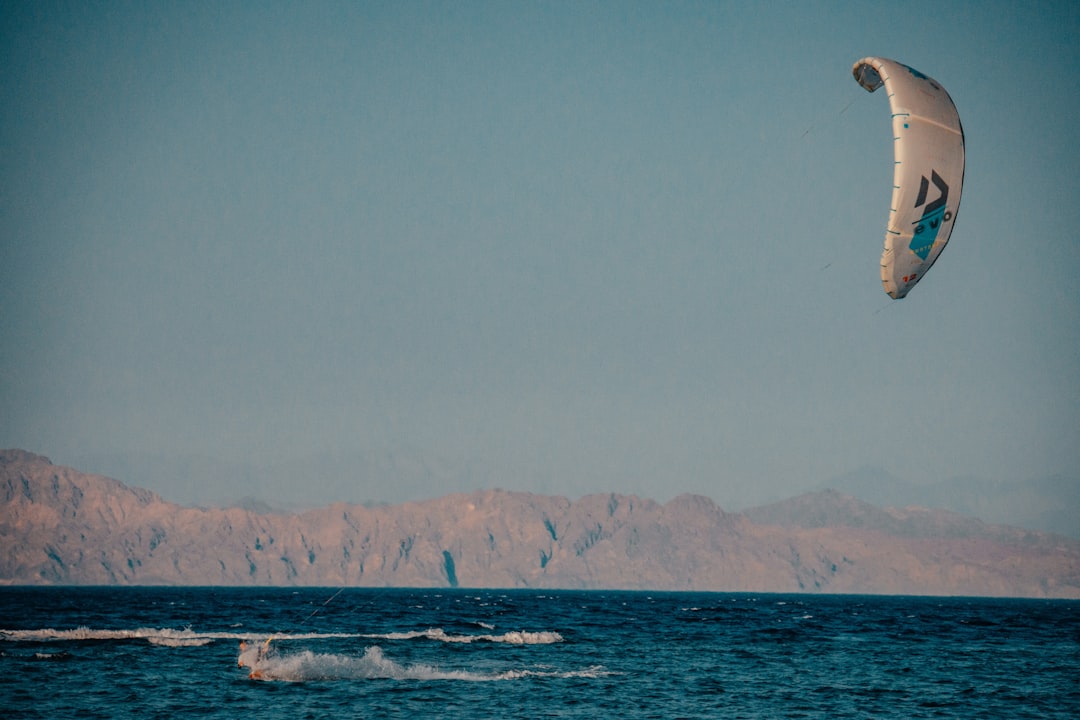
(253, 657)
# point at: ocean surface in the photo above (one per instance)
(325, 652)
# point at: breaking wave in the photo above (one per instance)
(308, 666)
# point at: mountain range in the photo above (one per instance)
(62, 526)
(1050, 504)
(394, 475)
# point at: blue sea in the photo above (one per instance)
(362, 653)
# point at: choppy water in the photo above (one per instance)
(175, 652)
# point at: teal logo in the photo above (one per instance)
(934, 215)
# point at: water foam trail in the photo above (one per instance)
(157, 636)
(168, 637)
(189, 638)
(375, 665)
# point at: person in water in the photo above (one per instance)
(251, 657)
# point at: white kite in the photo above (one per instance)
(928, 144)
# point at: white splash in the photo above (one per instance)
(308, 666)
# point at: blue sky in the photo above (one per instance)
(557, 247)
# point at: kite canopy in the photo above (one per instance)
(928, 143)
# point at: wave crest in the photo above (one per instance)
(308, 666)
(520, 637)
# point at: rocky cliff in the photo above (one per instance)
(60, 526)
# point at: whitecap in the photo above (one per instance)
(308, 666)
(519, 637)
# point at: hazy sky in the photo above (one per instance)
(558, 247)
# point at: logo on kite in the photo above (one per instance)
(934, 214)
